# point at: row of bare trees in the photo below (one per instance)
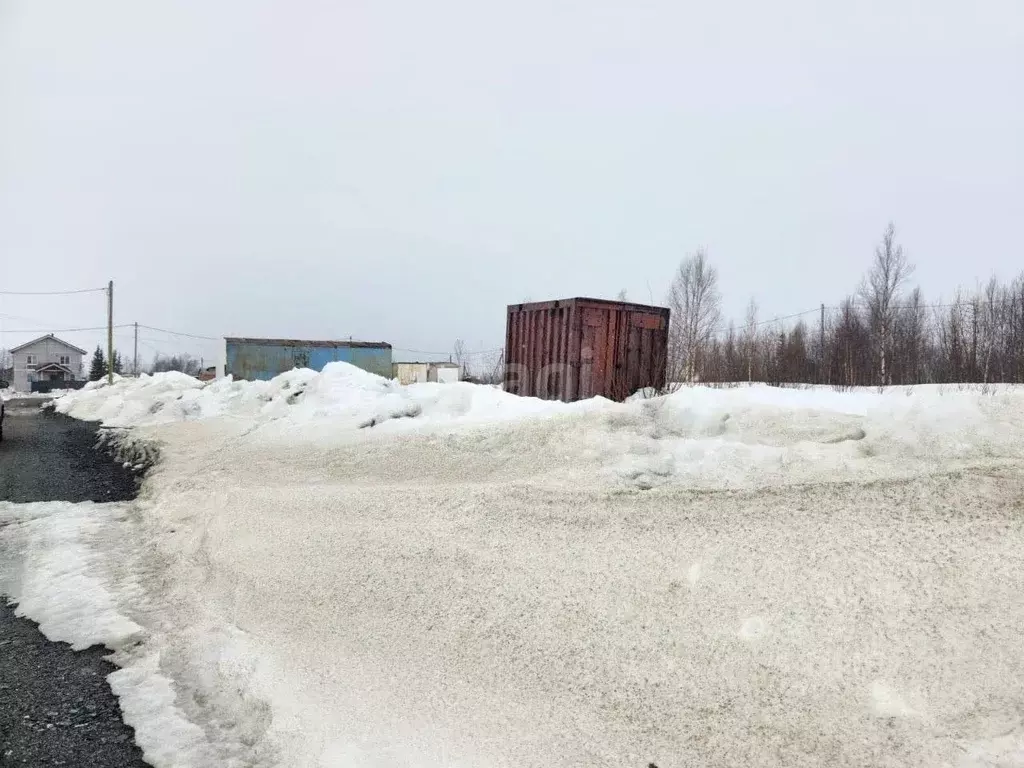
(883, 334)
(6, 367)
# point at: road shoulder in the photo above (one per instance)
(56, 706)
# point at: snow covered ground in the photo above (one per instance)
(10, 394)
(330, 569)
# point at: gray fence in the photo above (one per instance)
(45, 387)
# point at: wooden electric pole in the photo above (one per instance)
(110, 332)
(135, 364)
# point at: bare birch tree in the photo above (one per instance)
(1016, 341)
(977, 336)
(460, 358)
(750, 338)
(696, 309)
(993, 311)
(880, 290)
(910, 338)
(951, 339)
(493, 368)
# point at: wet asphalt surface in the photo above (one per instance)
(56, 707)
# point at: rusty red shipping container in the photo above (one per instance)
(578, 348)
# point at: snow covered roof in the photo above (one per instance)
(49, 337)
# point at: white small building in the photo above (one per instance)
(410, 373)
(443, 373)
(418, 373)
(46, 359)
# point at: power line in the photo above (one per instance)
(60, 330)
(723, 328)
(397, 349)
(790, 317)
(22, 318)
(449, 352)
(780, 319)
(155, 340)
(179, 333)
(218, 338)
(52, 293)
(966, 304)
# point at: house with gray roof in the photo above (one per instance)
(48, 360)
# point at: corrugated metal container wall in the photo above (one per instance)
(263, 359)
(579, 348)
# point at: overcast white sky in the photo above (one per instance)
(402, 170)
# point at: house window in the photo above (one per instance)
(30, 360)
(65, 359)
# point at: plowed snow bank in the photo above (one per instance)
(750, 577)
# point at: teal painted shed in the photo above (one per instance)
(263, 359)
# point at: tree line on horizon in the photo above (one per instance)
(884, 333)
(185, 363)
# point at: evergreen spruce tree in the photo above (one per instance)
(98, 367)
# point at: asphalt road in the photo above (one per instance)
(56, 707)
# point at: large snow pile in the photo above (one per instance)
(700, 436)
(342, 396)
(751, 576)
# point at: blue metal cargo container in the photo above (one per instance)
(264, 359)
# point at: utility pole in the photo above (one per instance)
(822, 374)
(110, 332)
(135, 365)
